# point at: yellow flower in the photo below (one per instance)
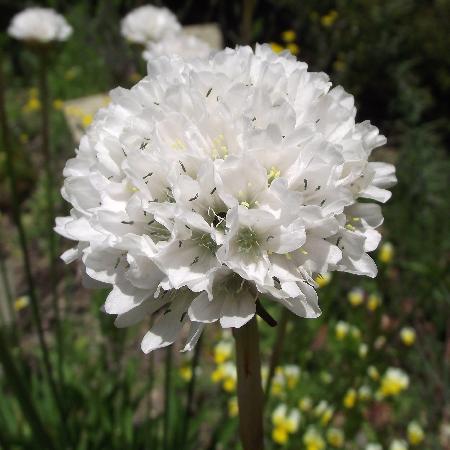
(341, 330)
(364, 393)
(280, 435)
(293, 48)
(335, 437)
(415, 433)
(217, 375)
(386, 253)
(373, 302)
(21, 302)
(356, 296)
(305, 404)
(222, 351)
(363, 350)
(289, 36)
(277, 48)
(339, 65)
(350, 399)
(328, 19)
(284, 423)
(292, 375)
(408, 336)
(394, 381)
(233, 408)
(33, 104)
(186, 373)
(58, 104)
(313, 440)
(229, 384)
(323, 279)
(373, 373)
(24, 138)
(86, 120)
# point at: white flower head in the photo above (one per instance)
(215, 182)
(41, 25)
(148, 23)
(180, 44)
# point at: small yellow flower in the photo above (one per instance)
(341, 330)
(233, 408)
(292, 375)
(217, 375)
(356, 296)
(86, 120)
(373, 302)
(350, 398)
(24, 138)
(58, 104)
(289, 36)
(305, 404)
(280, 435)
(186, 373)
(373, 373)
(21, 302)
(293, 48)
(408, 336)
(33, 104)
(229, 384)
(313, 440)
(386, 253)
(394, 381)
(277, 48)
(415, 433)
(335, 437)
(327, 416)
(339, 65)
(323, 279)
(328, 19)
(222, 351)
(364, 393)
(363, 350)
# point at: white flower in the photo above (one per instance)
(41, 25)
(212, 182)
(373, 446)
(148, 23)
(180, 44)
(398, 444)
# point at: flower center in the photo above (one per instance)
(247, 241)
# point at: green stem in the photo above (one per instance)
(17, 218)
(248, 8)
(49, 194)
(277, 350)
(249, 389)
(190, 395)
(167, 395)
(22, 393)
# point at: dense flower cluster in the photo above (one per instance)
(180, 44)
(148, 23)
(210, 184)
(41, 25)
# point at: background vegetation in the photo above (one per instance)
(393, 56)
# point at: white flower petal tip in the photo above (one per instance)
(219, 179)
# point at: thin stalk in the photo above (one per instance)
(22, 393)
(277, 350)
(167, 402)
(49, 194)
(151, 377)
(23, 241)
(249, 388)
(248, 7)
(190, 395)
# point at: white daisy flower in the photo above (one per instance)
(148, 23)
(213, 183)
(41, 25)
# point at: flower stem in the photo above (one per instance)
(49, 188)
(167, 397)
(277, 349)
(249, 389)
(190, 396)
